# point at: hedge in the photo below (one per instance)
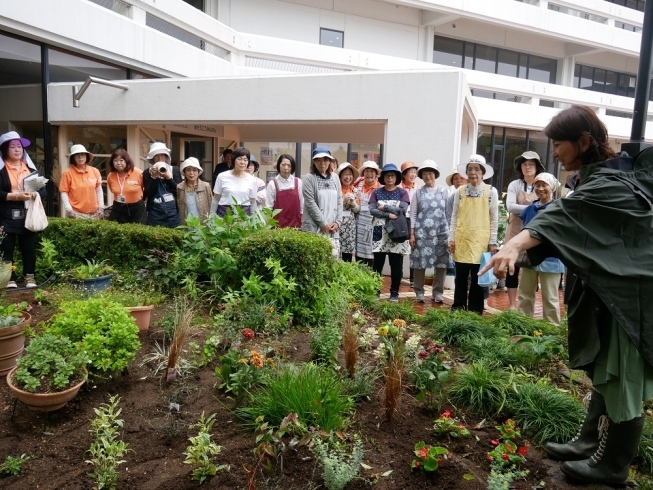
(123, 246)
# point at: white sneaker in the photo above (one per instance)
(12, 285)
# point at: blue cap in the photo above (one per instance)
(321, 151)
(387, 168)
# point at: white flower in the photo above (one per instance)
(368, 336)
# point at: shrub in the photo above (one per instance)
(481, 387)
(121, 245)
(359, 281)
(312, 392)
(544, 413)
(390, 311)
(105, 330)
(306, 257)
(460, 331)
(202, 451)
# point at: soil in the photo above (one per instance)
(157, 436)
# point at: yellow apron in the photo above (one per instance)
(472, 233)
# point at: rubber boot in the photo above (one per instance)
(587, 440)
(611, 461)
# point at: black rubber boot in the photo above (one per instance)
(587, 440)
(611, 461)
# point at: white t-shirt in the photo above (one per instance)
(228, 187)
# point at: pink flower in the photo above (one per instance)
(248, 333)
(446, 414)
(422, 355)
(423, 453)
(494, 442)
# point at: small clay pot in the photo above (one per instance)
(142, 316)
(44, 402)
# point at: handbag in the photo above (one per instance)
(488, 278)
(522, 259)
(36, 220)
(397, 229)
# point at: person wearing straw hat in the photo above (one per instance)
(15, 165)
(455, 180)
(520, 195)
(369, 183)
(548, 272)
(350, 209)
(388, 203)
(409, 182)
(473, 230)
(160, 182)
(429, 232)
(81, 186)
(194, 196)
(125, 181)
(322, 199)
(284, 193)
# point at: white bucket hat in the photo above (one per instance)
(191, 162)
(428, 165)
(77, 149)
(479, 159)
(370, 164)
(345, 165)
(157, 148)
(13, 135)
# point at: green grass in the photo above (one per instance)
(481, 387)
(494, 351)
(460, 331)
(313, 392)
(545, 413)
(391, 311)
(515, 323)
(645, 451)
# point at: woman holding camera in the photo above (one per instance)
(160, 183)
(126, 184)
(81, 186)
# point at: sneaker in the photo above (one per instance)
(29, 281)
(394, 298)
(12, 285)
(420, 298)
(438, 299)
(412, 284)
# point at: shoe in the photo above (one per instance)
(29, 281)
(394, 298)
(610, 463)
(420, 298)
(12, 285)
(586, 441)
(438, 299)
(412, 284)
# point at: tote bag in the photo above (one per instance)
(487, 279)
(36, 220)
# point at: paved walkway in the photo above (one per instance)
(498, 300)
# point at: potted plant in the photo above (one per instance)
(49, 374)
(13, 322)
(92, 276)
(138, 304)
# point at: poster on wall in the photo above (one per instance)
(266, 155)
(270, 174)
(354, 159)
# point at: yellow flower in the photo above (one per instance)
(242, 360)
(271, 309)
(399, 323)
(382, 331)
(271, 362)
(13, 268)
(537, 333)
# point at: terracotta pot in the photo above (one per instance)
(12, 343)
(44, 402)
(142, 316)
(428, 281)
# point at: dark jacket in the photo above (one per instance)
(603, 233)
(9, 224)
(159, 211)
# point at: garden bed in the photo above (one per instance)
(158, 435)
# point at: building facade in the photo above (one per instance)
(523, 61)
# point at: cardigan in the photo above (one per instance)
(203, 196)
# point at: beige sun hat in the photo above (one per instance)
(370, 164)
(77, 149)
(479, 159)
(428, 165)
(157, 148)
(191, 162)
(345, 165)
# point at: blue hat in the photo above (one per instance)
(321, 151)
(387, 168)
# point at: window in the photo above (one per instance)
(448, 52)
(486, 59)
(606, 81)
(508, 63)
(329, 37)
(198, 4)
(542, 69)
(631, 4)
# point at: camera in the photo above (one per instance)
(162, 168)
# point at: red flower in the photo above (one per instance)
(416, 464)
(248, 333)
(446, 414)
(462, 426)
(489, 458)
(422, 355)
(423, 453)
(505, 457)
(494, 442)
(522, 450)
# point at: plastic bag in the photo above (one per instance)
(36, 220)
(487, 279)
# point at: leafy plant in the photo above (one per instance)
(481, 387)
(494, 351)
(361, 385)
(12, 314)
(313, 392)
(515, 323)
(428, 458)
(460, 331)
(358, 281)
(341, 464)
(386, 310)
(240, 371)
(428, 373)
(50, 363)
(545, 413)
(446, 424)
(324, 343)
(12, 466)
(107, 448)
(506, 453)
(537, 347)
(142, 297)
(202, 451)
(104, 330)
(161, 358)
(91, 270)
(500, 479)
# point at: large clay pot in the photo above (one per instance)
(5, 274)
(12, 343)
(44, 402)
(142, 316)
(94, 284)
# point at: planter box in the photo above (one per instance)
(44, 402)
(12, 343)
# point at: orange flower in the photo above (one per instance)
(399, 323)
(256, 359)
